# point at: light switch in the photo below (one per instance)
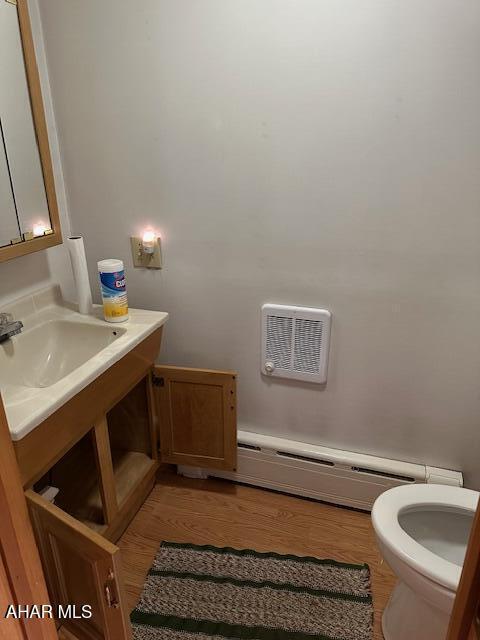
(143, 259)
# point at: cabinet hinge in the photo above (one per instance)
(157, 381)
(110, 591)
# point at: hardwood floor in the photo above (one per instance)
(224, 514)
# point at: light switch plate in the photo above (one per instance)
(146, 260)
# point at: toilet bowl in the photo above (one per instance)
(422, 532)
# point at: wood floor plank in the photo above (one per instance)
(221, 513)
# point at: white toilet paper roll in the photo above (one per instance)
(80, 274)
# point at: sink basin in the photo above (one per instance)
(60, 352)
(45, 354)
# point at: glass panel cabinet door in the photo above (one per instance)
(28, 206)
(20, 142)
(9, 227)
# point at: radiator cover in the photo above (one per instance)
(331, 475)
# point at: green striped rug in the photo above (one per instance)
(197, 592)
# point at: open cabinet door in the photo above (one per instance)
(464, 621)
(82, 568)
(197, 415)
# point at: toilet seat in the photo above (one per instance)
(385, 517)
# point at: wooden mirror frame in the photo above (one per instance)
(38, 114)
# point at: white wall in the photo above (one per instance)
(314, 152)
(29, 273)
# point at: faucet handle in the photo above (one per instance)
(5, 318)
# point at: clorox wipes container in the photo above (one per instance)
(114, 290)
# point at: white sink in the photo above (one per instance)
(58, 353)
(47, 353)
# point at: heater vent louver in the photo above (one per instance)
(295, 342)
(251, 447)
(279, 341)
(383, 474)
(296, 456)
(308, 345)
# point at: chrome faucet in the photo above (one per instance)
(8, 326)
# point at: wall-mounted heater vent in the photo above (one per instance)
(295, 342)
(332, 475)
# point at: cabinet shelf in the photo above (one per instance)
(129, 468)
(80, 492)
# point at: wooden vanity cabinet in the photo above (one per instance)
(182, 416)
(105, 469)
(104, 478)
(43, 447)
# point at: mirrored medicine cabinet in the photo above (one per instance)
(29, 219)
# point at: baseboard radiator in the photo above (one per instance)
(331, 475)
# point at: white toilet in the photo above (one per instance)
(422, 532)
